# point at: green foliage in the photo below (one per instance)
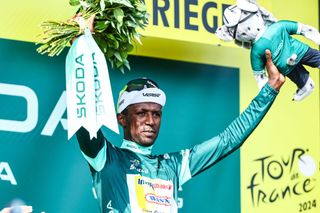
(115, 28)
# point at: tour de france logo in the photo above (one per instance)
(280, 178)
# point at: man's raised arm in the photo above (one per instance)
(206, 154)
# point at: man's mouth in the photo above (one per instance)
(149, 132)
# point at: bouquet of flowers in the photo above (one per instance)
(115, 24)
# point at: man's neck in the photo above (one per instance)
(134, 147)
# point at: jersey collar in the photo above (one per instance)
(134, 147)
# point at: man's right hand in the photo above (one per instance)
(84, 23)
(276, 79)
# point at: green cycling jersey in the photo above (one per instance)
(131, 179)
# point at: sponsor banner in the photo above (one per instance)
(283, 180)
(280, 161)
(153, 194)
(39, 166)
(171, 19)
(182, 20)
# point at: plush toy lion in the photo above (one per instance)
(252, 26)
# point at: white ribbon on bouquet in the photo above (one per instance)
(89, 95)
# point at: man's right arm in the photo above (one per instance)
(94, 150)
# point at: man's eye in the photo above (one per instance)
(156, 114)
(141, 113)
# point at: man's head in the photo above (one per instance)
(139, 110)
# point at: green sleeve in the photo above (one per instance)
(257, 58)
(206, 154)
(290, 26)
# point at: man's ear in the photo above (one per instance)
(223, 33)
(122, 119)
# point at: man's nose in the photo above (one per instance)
(149, 119)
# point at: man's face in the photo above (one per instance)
(141, 123)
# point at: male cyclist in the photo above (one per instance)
(130, 178)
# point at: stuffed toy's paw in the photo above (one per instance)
(223, 33)
(304, 91)
(310, 33)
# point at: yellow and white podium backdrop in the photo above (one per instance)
(276, 170)
(280, 161)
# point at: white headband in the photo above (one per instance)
(154, 95)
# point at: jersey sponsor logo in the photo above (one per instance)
(136, 165)
(278, 50)
(150, 194)
(160, 200)
(154, 185)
